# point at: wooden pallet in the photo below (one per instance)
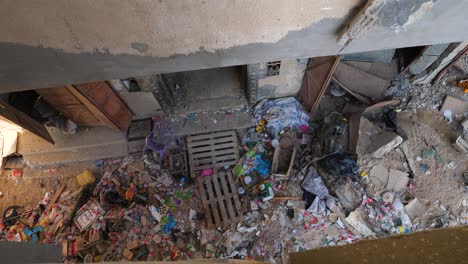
(219, 199)
(214, 150)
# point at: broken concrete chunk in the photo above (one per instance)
(383, 143)
(428, 56)
(375, 141)
(415, 209)
(355, 219)
(379, 176)
(397, 180)
(455, 105)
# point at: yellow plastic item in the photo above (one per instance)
(401, 229)
(85, 178)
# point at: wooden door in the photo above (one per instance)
(90, 104)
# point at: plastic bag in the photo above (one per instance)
(314, 184)
(281, 113)
(340, 165)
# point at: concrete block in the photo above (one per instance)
(397, 180)
(374, 141)
(383, 143)
(379, 176)
(427, 58)
(415, 209)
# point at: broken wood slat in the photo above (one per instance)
(458, 62)
(360, 82)
(55, 198)
(316, 80)
(214, 150)
(219, 199)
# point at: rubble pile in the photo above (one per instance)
(297, 186)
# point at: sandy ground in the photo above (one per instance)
(443, 182)
(30, 188)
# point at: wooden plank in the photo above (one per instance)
(212, 201)
(63, 99)
(316, 80)
(358, 96)
(360, 82)
(293, 158)
(235, 197)
(219, 197)
(212, 150)
(202, 192)
(382, 70)
(224, 201)
(214, 153)
(210, 136)
(231, 144)
(108, 102)
(92, 108)
(55, 198)
(216, 165)
(23, 120)
(213, 161)
(213, 141)
(228, 195)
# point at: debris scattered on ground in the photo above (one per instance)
(289, 183)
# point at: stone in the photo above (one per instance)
(397, 180)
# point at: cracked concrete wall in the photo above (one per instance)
(47, 43)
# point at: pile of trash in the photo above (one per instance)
(127, 214)
(295, 193)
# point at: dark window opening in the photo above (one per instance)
(273, 68)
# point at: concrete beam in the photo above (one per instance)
(81, 41)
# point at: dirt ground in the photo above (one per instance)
(31, 187)
(443, 180)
